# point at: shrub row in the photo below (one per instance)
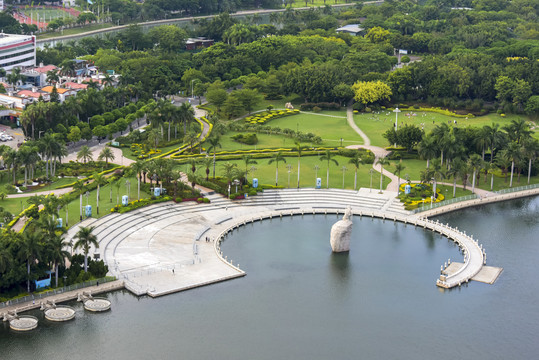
(321, 105)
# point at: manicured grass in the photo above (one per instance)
(266, 173)
(374, 125)
(265, 141)
(104, 203)
(501, 183)
(331, 126)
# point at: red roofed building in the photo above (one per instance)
(75, 86)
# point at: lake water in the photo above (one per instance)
(300, 301)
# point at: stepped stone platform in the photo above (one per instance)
(168, 247)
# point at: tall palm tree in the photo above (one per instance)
(474, 163)
(453, 172)
(427, 149)
(357, 161)
(497, 139)
(248, 160)
(207, 162)
(80, 187)
(530, 150)
(30, 250)
(106, 154)
(514, 153)
(56, 246)
(186, 115)
(138, 168)
(398, 168)
(328, 156)
(85, 239)
(382, 162)
(491, 167)
(275, 159)
(100, 180)
(517, 130)
(84, 154)
(299, 149)
(215, 142)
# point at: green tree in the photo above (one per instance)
(84, 154)
(382, 162)
(357, 161)
(30, 250)
(399, 167)
(56, 253)
(84, 240)
(329, 157)
(275, 159)
(106, 154)
(249, 98)
(368, 92)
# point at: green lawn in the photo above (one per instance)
(104, 203)
(331, 126)
(266, 173)
(374, 125)
(265, 141)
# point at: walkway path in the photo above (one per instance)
(378, 152)
(56, 192)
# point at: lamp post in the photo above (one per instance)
(344, 168)
(236, 182)
(433, 198)
(316, 168)
(396, 111)
(65, 277)
(289, 169)
(341, 142)
(39, 135)
(371, 171)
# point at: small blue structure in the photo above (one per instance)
(318, 183)
(125, 200)
(88, 210)
(255, 183)
(45, 282)
(157, 191)
(407, 189)
(60, 223)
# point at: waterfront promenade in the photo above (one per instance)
(172, 247)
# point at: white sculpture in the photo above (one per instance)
(341, 232)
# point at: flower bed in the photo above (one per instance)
(420, 194)
(265, 116)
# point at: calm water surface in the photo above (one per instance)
(299, 301)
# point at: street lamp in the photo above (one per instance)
(371, 171)
(341, 142)
(396, 111)
(433, 198)
(236, 182)
(316, 168)
(39, 135)
(289, 169)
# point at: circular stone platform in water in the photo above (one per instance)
(97, 304)
(23, 323)
(61, 313)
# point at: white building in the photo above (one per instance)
(17, 51)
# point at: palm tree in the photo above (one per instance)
(99, 179)
(190, 138)
(497, 139)
(398, 168)
(106, 154)
(517, 130)
(299, 148)
(382, 161)
(5, 258)
(80, 187)
(229, 171)
(530, 150)
(30, 250)
(186, 115)
(56, 253)
(215, 143)
(356, 161)
(474, 163)
(328, 156)
(207, 162)
(138, 168)
(427, 149)
(275, 159)
(492, 167)
(453, 172)
(53, 77)
(85, 239)
(248, 160)
(514, 153)
(84, 154)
